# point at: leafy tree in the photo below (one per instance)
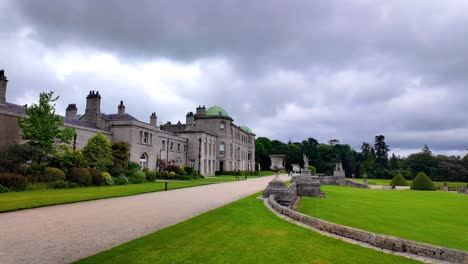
(421, 162)
(381, 151)
(42, 127)
(262, 149)
(98, 152)
(366, 150)
(121, 154)
(333, 142)
(451, 171)
(393, 163)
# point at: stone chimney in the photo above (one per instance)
(121, 108)
(201, 110)
(154, 119)
(3, 87)
(71, 111)
(189, 120)
(93, 107)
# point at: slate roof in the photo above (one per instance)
(13, 108)
(117, 117)
(18, 109)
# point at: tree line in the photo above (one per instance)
(373, 159)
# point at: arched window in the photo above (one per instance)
(221, 149)
(222, 125)
(143, 161)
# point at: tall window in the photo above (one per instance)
(146, 138)
(163, 145)
(171, 148)
(222, 125)
(221, 149)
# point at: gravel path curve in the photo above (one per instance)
(65, 233)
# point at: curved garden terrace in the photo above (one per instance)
(437, 218)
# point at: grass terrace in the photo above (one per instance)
(438, 218)
(241, 232)
(37, 198)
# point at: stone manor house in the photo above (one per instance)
(209, 140)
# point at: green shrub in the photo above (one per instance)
(150, 175)
(313, 170)
(80, 176)
(398, 180)
(98, 152)
(171, 175)
(17, 158)
(131, 169)
(52, 174)
(422, 182)
(120, 180)
(13, 181)
(181, 171)
(189, 170)
(107, 178)
(96, 177)
(3, 189)
(137, 177)
(68, 158)
(162, 174)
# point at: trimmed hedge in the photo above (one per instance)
(80, 176)
(398, 180)
(96, 177)
(137, 177)
(422, 182)
(13, 181)
(52, 174)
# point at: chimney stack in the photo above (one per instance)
(3, 87)
(189, 120)
(153, 119)
(121, 108)
(93, 107)
(201, 110)
(71, 111)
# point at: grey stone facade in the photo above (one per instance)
(225, 146)
(209, 142)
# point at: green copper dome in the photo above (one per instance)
(246, 129)
(216, 111)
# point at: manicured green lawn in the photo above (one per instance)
(387, 182)
(438, 218)
(29, 199)
(242, 232)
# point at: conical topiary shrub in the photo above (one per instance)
(422, 182)
(398, 180)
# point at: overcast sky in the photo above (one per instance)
(348, 70)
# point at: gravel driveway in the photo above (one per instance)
(65, 233)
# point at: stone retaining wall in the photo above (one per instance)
(356, 184)
(377, 240)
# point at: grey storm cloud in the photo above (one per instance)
(290, 69)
